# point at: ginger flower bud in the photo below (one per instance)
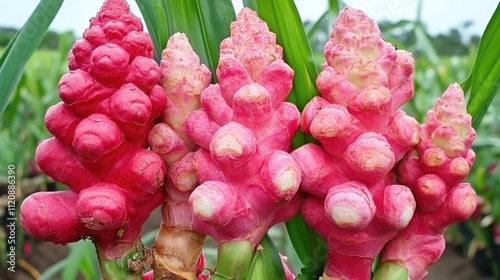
(184, 78)
(244, 130)
(255, 52)
(363, 135)
(110, 101)
(358, 57)
(448, 125)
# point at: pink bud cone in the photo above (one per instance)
(184, 78)
(217, 206)
(51, 216)
(183, 128)
(370, 157)
(350, 205)
(443, 161)
(320, 170)
(182, 174)
(102, 129)
(448, 125)
(335, 127)
(90, 142)
(61, 165)
(214, 104)
(234, 147)
(167, 143)
(61, 122)
(102, 206)
(129, 104)
(244, 131)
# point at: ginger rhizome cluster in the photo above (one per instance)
(434, 172)
(368, 191)
(178, 247)
(110, 101)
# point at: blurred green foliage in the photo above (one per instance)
(22, 124)
(50, 41)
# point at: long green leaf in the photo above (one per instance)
(266, 262)
(149, 237)
(8, 48)
(484, 80)
(53, 270)
(205, 23)
(88, 265)
(216, 18)
(309, 246)
(75, 258)
(334, 6)
(26, 42)
(390, 271)
(156, 21)
(252, 4)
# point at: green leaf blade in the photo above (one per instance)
(77, 254)
(309, 246)
(484, 81)
(205, 23)
(390, 271)
(24, 45)
(266, 262)
(334, 6)
(216, 18)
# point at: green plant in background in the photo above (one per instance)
(164, 18)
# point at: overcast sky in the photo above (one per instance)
(439, 16)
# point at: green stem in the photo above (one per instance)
(128, 267)
(233, 260)
(390, 271)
